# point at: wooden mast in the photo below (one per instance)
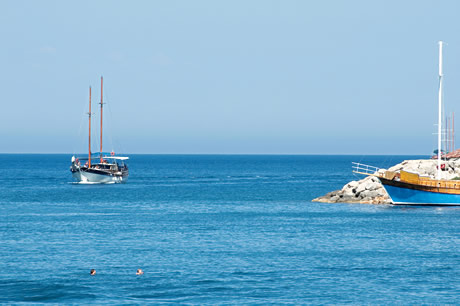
(89, 130)
(447, 134)
(101, 118)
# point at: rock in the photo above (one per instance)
(373, 194)
(330, 194)
(348, 193)
(353, 184)
(361, 188)
(368, 190)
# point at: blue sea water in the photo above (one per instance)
(213, 229)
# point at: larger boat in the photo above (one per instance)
(101, 168)
(408, 188)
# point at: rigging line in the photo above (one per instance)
(95, 135)
(385, 161)
(443, 130)
(97, 129)
(361, 158)
(107, 99)
(359, 177)
(389, 163)
(113, 140)
(79, 142)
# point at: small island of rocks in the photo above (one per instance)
(370, 191)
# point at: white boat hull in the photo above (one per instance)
(88, 178)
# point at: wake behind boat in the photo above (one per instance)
(106, 168)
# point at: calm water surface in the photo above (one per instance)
(217, 229)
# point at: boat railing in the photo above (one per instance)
(364, 169)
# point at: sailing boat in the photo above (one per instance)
(105, 168)
(411, 188)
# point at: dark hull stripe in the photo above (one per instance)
(101, 172)
(419, 187)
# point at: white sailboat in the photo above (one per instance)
(105, 168)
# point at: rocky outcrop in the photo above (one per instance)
(366, 191)
(370, 191)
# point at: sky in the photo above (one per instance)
(227, 77)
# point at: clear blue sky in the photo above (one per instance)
(296, 77)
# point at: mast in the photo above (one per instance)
(438, 175)
(101, 118)
(89, 130)
(450, 134)
(446, 133)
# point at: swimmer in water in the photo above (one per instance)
(139, 272)
(92, 272)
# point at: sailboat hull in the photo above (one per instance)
(408, 196)
(96, 178)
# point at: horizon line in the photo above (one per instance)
(298, 154)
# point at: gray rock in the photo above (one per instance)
(373, 194)
(335, 199)
(348, 193)
(352, 184)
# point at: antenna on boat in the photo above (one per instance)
(101, 117)
(89, 134)
(439, 111)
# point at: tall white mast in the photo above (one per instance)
(439, 111)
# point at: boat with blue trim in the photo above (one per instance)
(409, 188)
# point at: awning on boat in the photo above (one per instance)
(116, 157)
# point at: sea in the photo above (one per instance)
(218, 229)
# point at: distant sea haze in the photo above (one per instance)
(216, 229)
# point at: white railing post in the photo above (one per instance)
(365, 169)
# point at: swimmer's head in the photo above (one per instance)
(139, 272)
(92, 272)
